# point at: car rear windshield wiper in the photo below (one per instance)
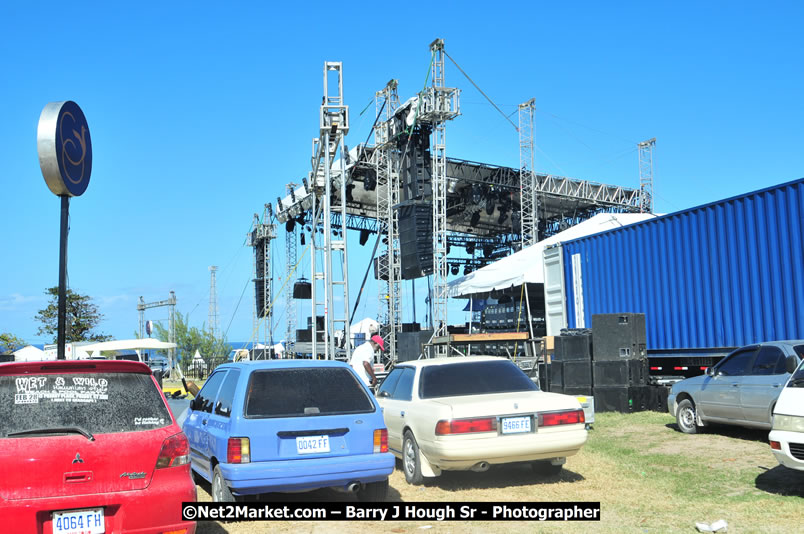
(62, 430)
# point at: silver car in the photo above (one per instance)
(740, 390)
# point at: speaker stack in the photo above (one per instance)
(620, 367)
(415, 238)
(571, 365)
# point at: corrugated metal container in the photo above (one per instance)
(724, 274)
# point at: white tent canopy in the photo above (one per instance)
(29, 353)
(367, 326)
(128, 344)
(527, 265)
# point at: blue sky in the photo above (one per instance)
(201, 112)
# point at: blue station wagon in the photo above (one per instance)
(287, 426)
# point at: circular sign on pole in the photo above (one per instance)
(65, 149)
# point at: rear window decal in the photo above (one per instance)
(32, 390)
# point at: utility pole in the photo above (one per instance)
(213, 302)
(646, 175)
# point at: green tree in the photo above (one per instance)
(9, 343)
(82, 317)
(191, 338)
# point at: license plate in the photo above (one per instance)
(312, 444)
(79, 522)
(515, 425)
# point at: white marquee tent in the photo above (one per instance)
(527, 265)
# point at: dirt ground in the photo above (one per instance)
(633, 498)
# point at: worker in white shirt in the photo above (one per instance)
(363, 359)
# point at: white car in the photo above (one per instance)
(467, 413)
(787, 433)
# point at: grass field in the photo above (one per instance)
(648, 477)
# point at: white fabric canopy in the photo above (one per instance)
(367, 326)
(129, 344)
(527, 265)
(29, 353)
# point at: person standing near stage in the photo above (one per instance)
(363, 359)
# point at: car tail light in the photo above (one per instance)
(238, 451)
(381, 440)
(775, 445)
(175, 451)
(466, 426)
(562, 418)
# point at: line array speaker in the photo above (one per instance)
(415, 238)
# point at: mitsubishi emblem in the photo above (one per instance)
(78, 459)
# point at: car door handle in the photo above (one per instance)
(204, 421)
(776, 385)
(402, 414)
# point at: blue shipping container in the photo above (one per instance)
(724, 274)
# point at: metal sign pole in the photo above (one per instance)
(62, 325)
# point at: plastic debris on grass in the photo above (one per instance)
(718, 526)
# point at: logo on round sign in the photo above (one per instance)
(65, 148)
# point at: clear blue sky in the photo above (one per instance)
(201, 112)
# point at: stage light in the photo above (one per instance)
(290, 225)
(467, 269)
(364, 235)
(490, 204)
(502, 217)
(292, 194)
(301, 238)
(306, 187)
(475, 218)
(270, 211)
(300, 219)
(470, 248)
(455, 268)
(488, 250)
(278, 204)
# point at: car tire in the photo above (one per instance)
(411, 464)
(373, 491)
(686, 418)
(220, 491)
(546, 468)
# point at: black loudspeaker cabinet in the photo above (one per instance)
(544, 377)
(618, 336)
(556, 372)
(409, 344)
(415, 238)
(577, 373)
(303, 290)
(319, 322)
(304, 336)
(620, 373)
(621, 399)
(658, 398)
(578, 390)
(570, 348)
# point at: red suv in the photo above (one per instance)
(90, 447)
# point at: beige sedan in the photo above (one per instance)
(472, 412)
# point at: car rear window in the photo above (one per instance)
(305, 392)
(473, 378)
(98, 403)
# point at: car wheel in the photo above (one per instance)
(410, 460)
(545, 467)
(220, 491)
(373, 491)
(686, 417)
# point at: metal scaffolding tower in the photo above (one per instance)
(213, 302)
(386, 161)
(171, 305)
(440, 104)
(260, 239)
(333, 126)
(291, 240)
(646, 175)
(529, 218)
